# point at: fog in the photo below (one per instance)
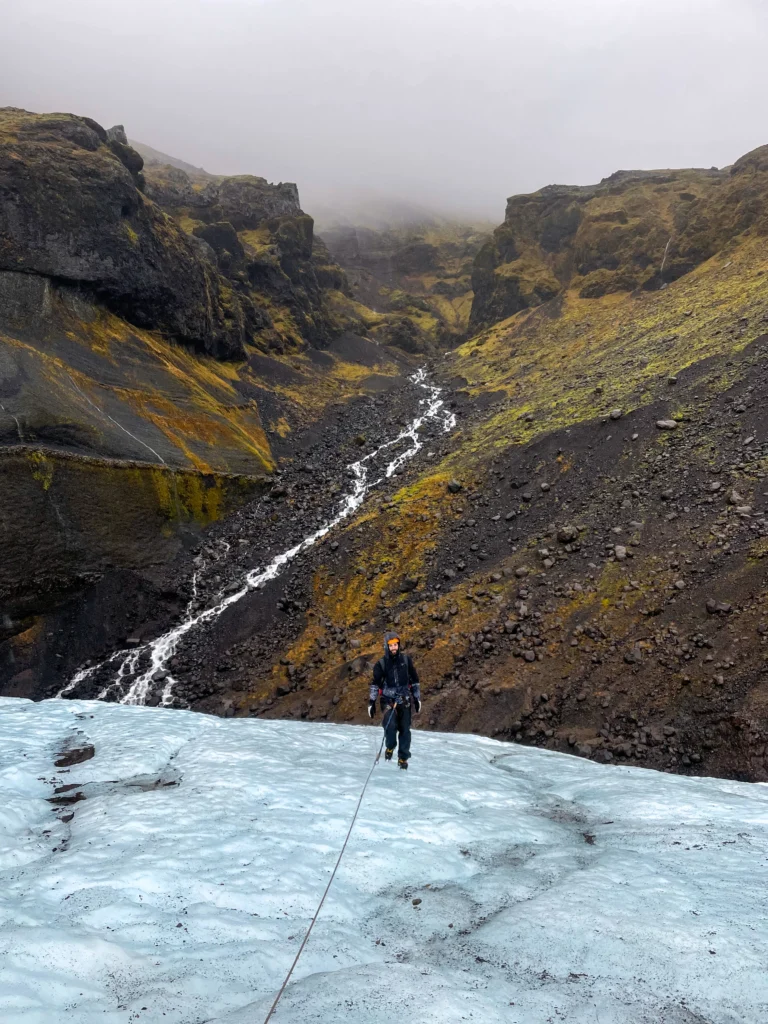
(451, 105)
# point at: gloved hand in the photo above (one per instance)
(417, 704)
(372, 709)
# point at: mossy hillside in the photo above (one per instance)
(634, 230)
(347, 310)
(95, 379)
(565, 364)
(577, 359)
(96, 382)
(386, 551)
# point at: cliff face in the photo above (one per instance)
(636, 229)
(214, 264)
(72, 210)
(263, 245)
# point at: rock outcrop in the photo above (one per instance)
(263, 244)
(72, 210)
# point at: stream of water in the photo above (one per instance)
(135, 670)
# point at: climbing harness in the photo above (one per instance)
(330, 880)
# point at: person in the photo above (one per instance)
(396, 682)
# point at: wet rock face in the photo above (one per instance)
(72, 210)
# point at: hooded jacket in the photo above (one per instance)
(395, 678)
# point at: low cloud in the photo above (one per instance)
(449, 105)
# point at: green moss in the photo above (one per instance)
(578, 360)
(42, 469)
(133, 238)
(185, 497)
(535, 280)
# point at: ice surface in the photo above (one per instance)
(183, 885)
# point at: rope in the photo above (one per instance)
(330, 880)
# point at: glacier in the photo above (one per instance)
(489, 883)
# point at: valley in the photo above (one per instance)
(577, 563)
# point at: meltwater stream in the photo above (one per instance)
(135, 670)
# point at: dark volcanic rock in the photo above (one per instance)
(70, 210)
(247, 201)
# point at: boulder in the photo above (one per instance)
(567, 534)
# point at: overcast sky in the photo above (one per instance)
(451, 103)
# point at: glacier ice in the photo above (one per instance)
(551, 888)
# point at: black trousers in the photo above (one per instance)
(397, 726)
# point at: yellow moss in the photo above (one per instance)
(42, 469)
(206, 408)
(187, 223)
(309, 391)
(534, 279)
(132, 236)
(187, 496)
(282, 427)
(258, 240)
(758, 549)
(27, 640)
(626, 345)
(344, 306)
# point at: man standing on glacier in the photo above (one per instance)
(396, 682)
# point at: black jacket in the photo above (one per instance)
(395, 679)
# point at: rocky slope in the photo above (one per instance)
(594, 579)
(158, 333)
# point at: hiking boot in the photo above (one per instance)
(402, 763)
(388, 753)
